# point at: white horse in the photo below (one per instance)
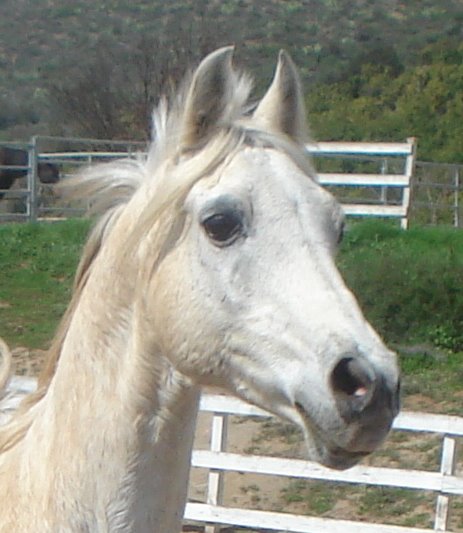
(212, 264)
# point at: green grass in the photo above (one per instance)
(409, 283)
(316, 498)
(439, 380)
(37, 264)
(394, 505)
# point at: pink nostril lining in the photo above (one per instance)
(352, 377)
(361, 391)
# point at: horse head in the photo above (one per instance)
(247, 295)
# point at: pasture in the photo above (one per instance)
(410, 285)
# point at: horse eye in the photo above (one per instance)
(223, 228)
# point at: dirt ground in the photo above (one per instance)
(270, 437)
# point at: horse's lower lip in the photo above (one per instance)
(341, 459)
(330, 455)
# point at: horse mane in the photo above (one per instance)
(169, 171)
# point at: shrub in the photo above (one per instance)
(409, 283)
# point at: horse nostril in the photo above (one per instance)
(353, 378)
(362, 394)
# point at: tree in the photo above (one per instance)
(112, 93)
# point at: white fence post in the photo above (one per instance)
(219, 435)
(447, 469)
(409, 169)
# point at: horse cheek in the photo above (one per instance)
(179, 322)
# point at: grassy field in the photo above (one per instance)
(37, 264)
(410, 283)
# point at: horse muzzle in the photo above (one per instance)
(366, 403)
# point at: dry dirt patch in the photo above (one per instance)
(28, 362)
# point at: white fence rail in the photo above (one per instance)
(444, 482)
(68, 154)
(378, 205)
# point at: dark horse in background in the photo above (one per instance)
(47, 172)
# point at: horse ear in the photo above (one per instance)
(282, 107)
(207, 96)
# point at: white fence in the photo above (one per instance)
(443, 483)
(369, 189)
(371, 204)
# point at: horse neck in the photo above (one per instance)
(117, 423)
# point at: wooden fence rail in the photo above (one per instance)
(444, 482)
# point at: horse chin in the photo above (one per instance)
(327, 453)
(335, 457)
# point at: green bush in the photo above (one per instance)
(409, 283)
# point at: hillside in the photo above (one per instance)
(114, 58)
